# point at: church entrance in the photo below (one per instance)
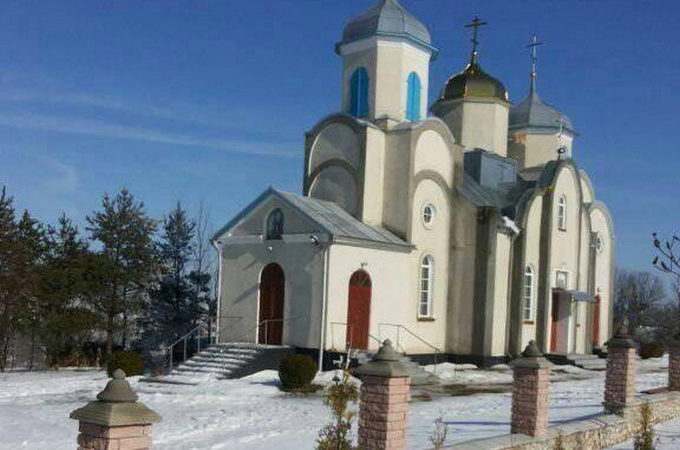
(358, 310)
(272, 288)
(596, 322)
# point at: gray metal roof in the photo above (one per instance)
(532, 112)
(338, 222)
(387, 18)
(505, 196)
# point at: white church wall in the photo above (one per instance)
(564, 252)
(532, 249)
(484, 125)
(497, 321)
(586, 187)
(535, 149)
(603, 271)
(460, 333)
(393, 296)
(374, 173)
(337, 185)
(336, 141)
(254, 224)
(432, 153)
(242, 266)
(355, 55)
(397, 176)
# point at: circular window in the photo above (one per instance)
(429, 213)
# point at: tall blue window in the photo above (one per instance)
(358, 105)
(413, 97)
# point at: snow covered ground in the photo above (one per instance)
(252, 413)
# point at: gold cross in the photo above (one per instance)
(476, 24)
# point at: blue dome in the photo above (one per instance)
(387, 18)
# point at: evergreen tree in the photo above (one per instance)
(177, 302)
(128, 265)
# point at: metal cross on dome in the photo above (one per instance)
(532, 49)
(475, 24)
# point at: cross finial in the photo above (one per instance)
(475, 24)
(533, 45)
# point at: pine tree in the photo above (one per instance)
(9, 252)
(126, 235)
(336, 435)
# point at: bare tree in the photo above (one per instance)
(638, 295)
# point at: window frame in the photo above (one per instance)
(528, 293)
(562, 213)
(426, 296)
(358, 93)
(433, 215)
(274, 234)
(566, 278)
(414, 94)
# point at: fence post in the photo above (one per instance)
(116, 420)
(384, 397)
(619, 386)
(674, 364)
(530, 391)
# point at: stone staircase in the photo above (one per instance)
(224, 361)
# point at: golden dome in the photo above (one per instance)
(474, 82)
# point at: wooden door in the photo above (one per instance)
(596, 321)
(555, 315)
(359, 310)
(272, 289)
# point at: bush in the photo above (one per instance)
(651, 350)
(297, 372)
(645, 438)
(130, 362)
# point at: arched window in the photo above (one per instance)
(413, 97)
(528, 310)
(562, 214)
(358, 105)
(426, 286)
(274, 225)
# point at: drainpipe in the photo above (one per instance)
(324, 305)
(218, 247)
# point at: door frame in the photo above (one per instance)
(277, 329)
(350, 337)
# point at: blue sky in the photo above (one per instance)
(209, 100)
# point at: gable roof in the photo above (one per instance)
(338, 223)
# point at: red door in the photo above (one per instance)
(596, 321)
(555, 315)
(272, 288)
(359, 310)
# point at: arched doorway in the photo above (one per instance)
(272, 289)
(358, 310)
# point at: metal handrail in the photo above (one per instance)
(184, 339)
(351, 332)
(399, 327)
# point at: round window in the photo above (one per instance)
(429, 213)
(599, 244)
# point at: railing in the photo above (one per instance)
(197, 333)
(349, 331)
(399, 328)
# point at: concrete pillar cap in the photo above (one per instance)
(621, 338)
(532, 358)
(116, 406)
(386, 363)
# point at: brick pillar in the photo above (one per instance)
(674, 364)
(116, 420)
(530, 390)
(383, 406)
(619, 385)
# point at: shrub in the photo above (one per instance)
(337, 434)
(297, 372)
(130, 362)
(645, 438)
(651, 350)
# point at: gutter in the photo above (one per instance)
(218, 247)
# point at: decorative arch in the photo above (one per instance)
(358, 104)
(413, 97)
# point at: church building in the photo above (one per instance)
(463, 229)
